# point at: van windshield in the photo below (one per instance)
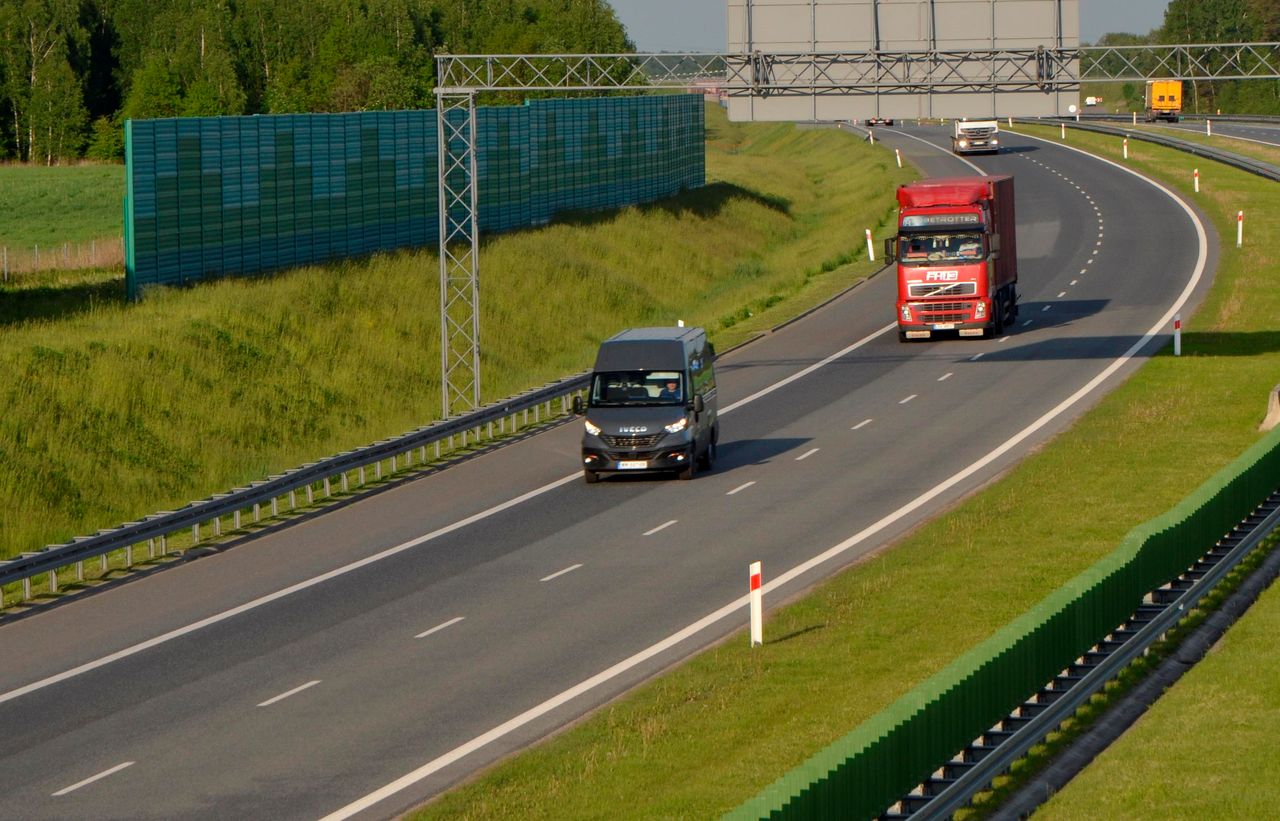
(637, 388)
(920, 249)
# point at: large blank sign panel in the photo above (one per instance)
(853, 59)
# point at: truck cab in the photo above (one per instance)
(651, 406)
(956, 257)
(976, 137)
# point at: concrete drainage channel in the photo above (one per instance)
(973, 769)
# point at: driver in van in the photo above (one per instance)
(670, 391)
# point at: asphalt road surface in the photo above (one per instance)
(361, 661)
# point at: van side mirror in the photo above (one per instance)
(579, 407)
(890, 250)
(698, 405)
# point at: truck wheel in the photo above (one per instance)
(902, 336)
(590, 477)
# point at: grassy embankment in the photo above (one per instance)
(1206, 749)
(72, 214)
(702, 739)
(115, 410)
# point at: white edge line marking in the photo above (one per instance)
(439, 627)
(977, 356)
(739, 488)
(734, 608)
(391, 551)
(807, 454)
(1045, 308)
(1061, 295)
(292, 692)
(945, 377)
(1003, 340)
(117, 768)
(861, 424)
(1028, 322)
(945, 151)
(908, 399)
(662, 526)
(574, 567)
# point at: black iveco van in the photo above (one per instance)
(651, 405)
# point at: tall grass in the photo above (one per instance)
(115, 410)
(685, 746)
(49, 206)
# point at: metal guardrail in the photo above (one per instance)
(982, 773)
(1234, 160)
(311, 476)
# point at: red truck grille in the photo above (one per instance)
(949, 289)
(934, 312)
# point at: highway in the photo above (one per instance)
(424, 632)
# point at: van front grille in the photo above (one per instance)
(631, 442)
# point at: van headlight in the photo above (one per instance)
(677, 426)
(591, 429)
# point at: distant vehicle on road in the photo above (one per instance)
(880, 121)
(976, 137)
(652, 404)
(1164, 100)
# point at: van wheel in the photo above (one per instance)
(708, 460)
(590, 477)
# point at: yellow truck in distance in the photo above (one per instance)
(1164, 100)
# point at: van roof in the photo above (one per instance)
(646, 349)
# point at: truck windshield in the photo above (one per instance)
(919, 249)
(637, 388)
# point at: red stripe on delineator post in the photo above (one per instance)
(757, 606)
(1177, 334)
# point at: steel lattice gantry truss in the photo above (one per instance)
(461, 77)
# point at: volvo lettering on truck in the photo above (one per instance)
(956, 257)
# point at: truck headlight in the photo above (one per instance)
(994, 141)
(980, 312)
(964, 143)
(591, 429)
(677, 426)
(906, 313)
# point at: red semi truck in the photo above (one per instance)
(957, 257)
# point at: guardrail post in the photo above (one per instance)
(217, 526)
(327, 491)
(310, 497)
(195, 533)
(257, 512)
(164, 544)
(26, 589)
(361, 476)
(53, 580)
(490, 430)
(79, 571)
(377, 470)
(344, 482)
(151, 548)
(275, 506)
(102, 565)
(128, 556)
(293, 500)
(235, 520)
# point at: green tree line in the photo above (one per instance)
(71, 71)
(1187, 22)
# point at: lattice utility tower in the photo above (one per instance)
(461, 77)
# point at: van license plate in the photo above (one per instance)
(633, 464)
(944, 326)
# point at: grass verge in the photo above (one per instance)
(115, 410)
(688, 746)
(72, 211)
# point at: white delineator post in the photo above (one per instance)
(898, 155)
(871, 249)
(757, 606)
(1177, 334)
(1135, 118)
(1063, 127)
(1126, 148)
(1195, 176)
(1239, 229)
(1208, 128)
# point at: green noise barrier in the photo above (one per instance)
(211, 196)
(862, 774)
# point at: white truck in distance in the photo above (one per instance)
(976, 137)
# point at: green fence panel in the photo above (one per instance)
(860, 775)
(211, 196)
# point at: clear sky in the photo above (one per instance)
(698, 25)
